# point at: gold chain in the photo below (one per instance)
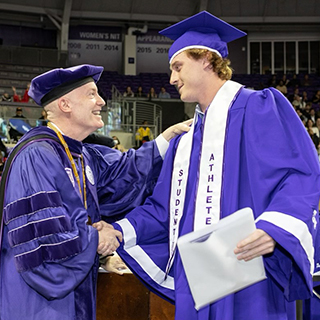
(73, 165)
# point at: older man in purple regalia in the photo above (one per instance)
(54, 188)
(246, 149)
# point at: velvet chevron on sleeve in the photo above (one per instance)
(49, 260)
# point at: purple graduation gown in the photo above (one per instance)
(48, 257)
(270, 165)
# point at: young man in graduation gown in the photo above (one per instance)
(49, 259)
(242, 151)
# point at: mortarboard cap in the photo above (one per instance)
(55, 83)
(203, 31)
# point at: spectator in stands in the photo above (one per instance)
(17, 98)
(318, 125)
(273, 81)
(294, 82)
(314, 138)
(140, 93)
(305, 97)
(295, 95)
(6, 97)
(300, 101)
(163, 94)
(43, 120)
(313, 116)
(117, 144)
(302, 117)
(152, 94)
(282, 88)
(297, 102)
(128, 93)
(144, 133)
(14, 134)
(316, 97)
(285, 80)
(312, 126)
(306, 81)
(306, 110)
(19, 113)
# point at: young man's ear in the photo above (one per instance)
(206, 61)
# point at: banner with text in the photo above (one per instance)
(96, 45)
(103, 46)
(152, 52)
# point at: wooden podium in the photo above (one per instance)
(126, 298)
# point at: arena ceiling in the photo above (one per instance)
(160, 13)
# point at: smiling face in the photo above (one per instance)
(85, 105)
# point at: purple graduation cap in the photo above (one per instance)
(203, 31)
(55, 83)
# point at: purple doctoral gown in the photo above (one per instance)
(269, 165)
(48, 256)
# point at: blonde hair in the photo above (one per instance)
(219, 65)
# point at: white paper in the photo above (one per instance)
(212, 269)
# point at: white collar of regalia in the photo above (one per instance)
(56, 128)
(207, 201)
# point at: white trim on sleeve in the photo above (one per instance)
(294, 226)
(141, 257)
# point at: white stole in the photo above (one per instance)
(207, 206)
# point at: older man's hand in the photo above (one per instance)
(177, 129)
(108, 238)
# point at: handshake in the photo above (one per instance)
(108, 243)
(109, 238)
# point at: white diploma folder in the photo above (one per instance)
(211, 267)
